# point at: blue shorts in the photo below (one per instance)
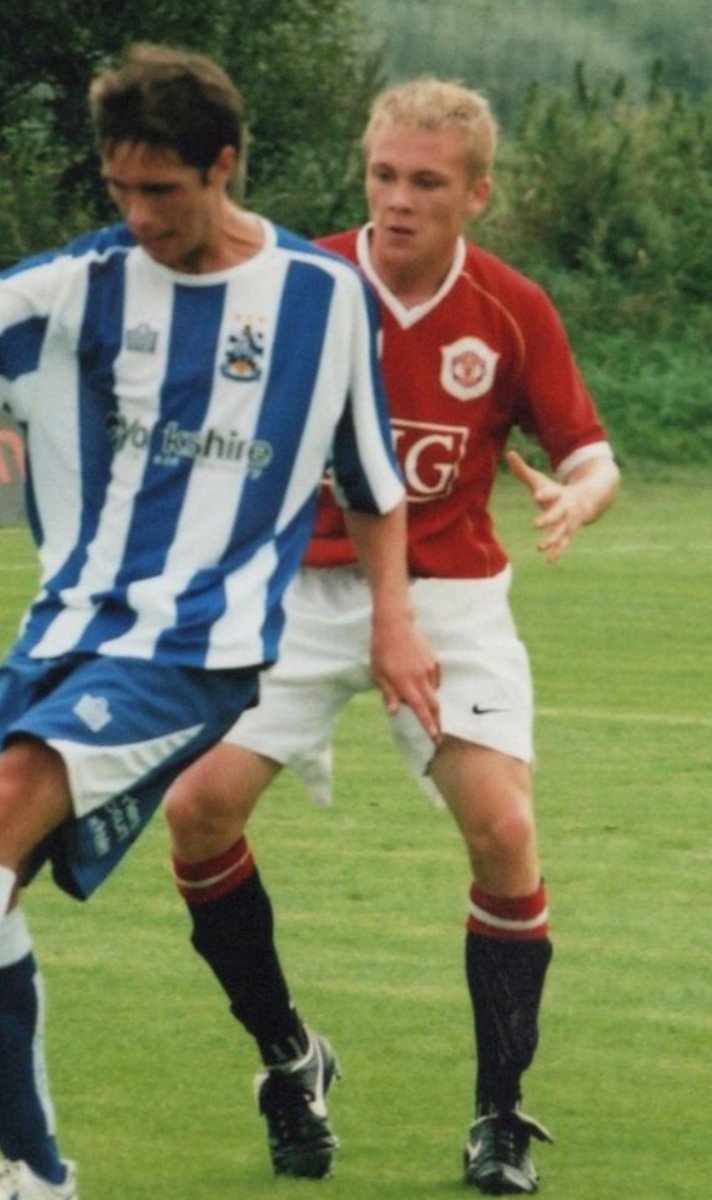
(125, 728)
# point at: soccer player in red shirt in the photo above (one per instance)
(471, 350)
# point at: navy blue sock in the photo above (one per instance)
(235, 936)
(26, 1117)
(506, 981)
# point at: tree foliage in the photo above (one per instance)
(308, 83)
(48, 55)
(593, 184)
(299, 63)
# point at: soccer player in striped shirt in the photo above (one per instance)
(471, 349)
(182, 379)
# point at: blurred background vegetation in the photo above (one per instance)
(604, 179)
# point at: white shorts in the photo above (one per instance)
(485, 693)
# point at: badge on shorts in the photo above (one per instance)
(94, 711)
(468, 367)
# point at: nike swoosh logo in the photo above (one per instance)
(480, 712)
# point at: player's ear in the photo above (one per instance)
(480, 193)
(224, 166)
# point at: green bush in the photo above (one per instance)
(606, 203)
(32, 167)
(654, 396)
(592, 183)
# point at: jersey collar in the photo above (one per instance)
(406, 316)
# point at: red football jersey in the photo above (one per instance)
(487, 353)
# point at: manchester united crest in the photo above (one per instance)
(468, 368)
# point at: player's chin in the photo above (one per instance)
(160, 247)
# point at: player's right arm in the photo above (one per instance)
(581, 498)
(368, 482)
(26, 299)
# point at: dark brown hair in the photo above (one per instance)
(167, 98)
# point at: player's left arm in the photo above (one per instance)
(564, 506)
(402, 663)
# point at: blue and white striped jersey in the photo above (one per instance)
(177, 427)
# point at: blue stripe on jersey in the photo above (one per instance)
(293, 241)
(197, 609)
(291, 545)
(100, 241)
(346, 462)
(303, 319)
(185, 397)
(374, 320)
(31, 509)
(111, 237)
(303, 314)
(98, 345)
(20, 347)
(345, 465)
(289, 240)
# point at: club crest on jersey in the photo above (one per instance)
(243, 357)
(467, 369)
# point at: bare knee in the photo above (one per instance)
(208, 806)
(34, 797)
(505, 834)
(202, 805)
(489, 795)
(503, 850)
(186, 807)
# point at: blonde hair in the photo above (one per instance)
(427, 103)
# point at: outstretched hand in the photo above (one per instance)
(562, 509)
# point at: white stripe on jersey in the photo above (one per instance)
(46, 403)
(196, 418)
(253, 575)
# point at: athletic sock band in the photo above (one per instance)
(15, 940)
(522, 919)
(212, 878)
(8, 880)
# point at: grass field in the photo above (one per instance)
(153, 1082)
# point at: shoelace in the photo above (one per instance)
(284, 1102)
(511, 1143)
